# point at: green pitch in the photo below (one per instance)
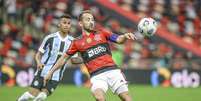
(138, 93)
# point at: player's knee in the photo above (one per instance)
(99, 98)
(46, 91)
(34, 91)
(125, 96)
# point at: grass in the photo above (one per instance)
(138, 93)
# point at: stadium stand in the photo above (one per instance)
(23, 24)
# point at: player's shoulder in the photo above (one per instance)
(103, 31)
(50, 35)
(71, 38)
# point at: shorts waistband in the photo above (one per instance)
(103, 69)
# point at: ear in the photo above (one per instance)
(59, 25)
(80, 23)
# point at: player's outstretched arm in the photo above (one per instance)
(61, 61)
(122, 38)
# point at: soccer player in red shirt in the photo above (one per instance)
(95, 51)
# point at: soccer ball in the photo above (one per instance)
(147, 26)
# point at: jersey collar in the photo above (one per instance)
(61, 38)
(90, 35)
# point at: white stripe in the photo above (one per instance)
(44, 41)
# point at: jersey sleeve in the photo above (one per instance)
(43, 45)
(72, 49)
(110, 36)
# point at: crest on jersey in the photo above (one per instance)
(97, 38)
(89, 40)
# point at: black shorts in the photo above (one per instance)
(38, 84)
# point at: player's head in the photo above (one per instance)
(65, 23)
(86, 20)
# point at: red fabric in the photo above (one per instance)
(82, 45)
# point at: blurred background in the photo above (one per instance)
(170, 58)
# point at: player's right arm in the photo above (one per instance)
(38, 60)
(40, 52)
(61, 61)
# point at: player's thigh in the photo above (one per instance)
(50, 87)
(117, 82)
(34, 91)
(99, 82)
(36, 85)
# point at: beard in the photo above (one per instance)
(89, 29)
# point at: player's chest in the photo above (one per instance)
(60, 46)
(91, 41)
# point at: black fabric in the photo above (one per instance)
(103, 69)
(96, 51)
(38, 84)
(50, 42)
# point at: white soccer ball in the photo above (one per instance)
(147, 26)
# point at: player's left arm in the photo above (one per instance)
(122, 38)
(119, 38)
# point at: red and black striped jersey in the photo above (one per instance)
(94, 49)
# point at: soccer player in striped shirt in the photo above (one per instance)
(50, 50)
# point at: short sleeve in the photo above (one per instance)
(110, 36)
(72, 49)
(43, 45)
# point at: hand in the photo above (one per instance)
(130, 36)
(40, 66)
(47, 78)
(76, 60)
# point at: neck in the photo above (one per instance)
(86, 32)
(63, 34)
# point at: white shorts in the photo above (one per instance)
(114, 79)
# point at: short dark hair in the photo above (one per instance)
(83, 12)
(66, 16)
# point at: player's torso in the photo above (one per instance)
(58, 48)
(95, 51)
(55, 49)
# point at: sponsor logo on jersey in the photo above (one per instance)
(96, 51)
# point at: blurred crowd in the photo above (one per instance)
(24, 23)
(182, 17)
